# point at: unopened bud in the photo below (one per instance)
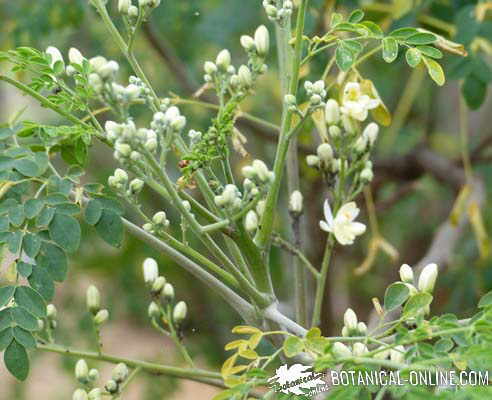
(262, 41)
(159, 218)
(82, 371)
(179, 312)
(244, 75)
(153, 310)
(427, 278)
(123, 6)
(158, 285)
(101, 317)
(371, 132)
(332, 112)
(341, 351)
(111, 386)
(51, 312)
(406, 273)
(312, 160)
(136, 186)
(223, 60)
(350, 319)
(95, 394)
(366, 175)
(247, 42)
(55, 55)
(251, 221)
(168, 292)
(325, 153)
(359, 349)
(80, 394)
(381, 354)
(334, 131)
(290, 99)
(295, 202)
(397, 354)
(150, 270)
(93, 299)
(75, 56)
(362, 328)
(120, 373)
(93, 375)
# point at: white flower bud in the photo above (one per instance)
(55, 55)
(95, 394)
(248, 172)
(121, 175)
(341, 351)
(209, 67)
(366, 175)
(381, 355)
(397, 354)
(51, 312)
(123, 149)
(290, 99)
(168, 292)
(220, 201)
(133, 11)
(101, 317)
(178, 123)
(123, 6)
(148, 228)
(179, 312)
(120, 373)
(295, 202)
(345, 332)
(95, 82)
(427, 278)
(412, 289)
(93, 375)
(359, 349)
(406, 273)
(325, 153)
(93, 299)
(334, 131)
(153, 310)
(371, 132)
(315, 99)
(187, 205)
(75, 56)
(150, 270)
(247, 42)
(158, 285)
(260, 207)
(80, 394)
(223, 60)
(332, 112)
(151, 145)
(251, 221)
(312, 160)
(262, 41)
(245, 78)
(260, 169)
(111, 386)
(362, 328)
(136, 186)
(319, 87)
(271, 11)
(350, 319)
(108, 69)
(348, 124)
(82, 371)
(360, 145)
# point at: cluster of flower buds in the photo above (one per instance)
(229, 198)
(324, 159)
(295, 203)
(367, 139)
(352, 327)
(159, 222)
(258, 172)
(51, 315)
(81, 394)
(195, 137)
(170, 120)
(84, 375)
(426, 281)
(120, 182)
(278, 12)
(316, 92)
(125, 7)
(93, 302)
(118, 376)
(259, 46)
(221, 67)
(103, 71)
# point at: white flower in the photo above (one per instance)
(150, 270)
(355, 104)
(343, 226)
(427, 278)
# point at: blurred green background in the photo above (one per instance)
(176, 41)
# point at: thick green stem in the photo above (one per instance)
(321, 282)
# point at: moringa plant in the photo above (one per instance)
(217, 224)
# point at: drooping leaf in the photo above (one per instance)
(16, 360)
(390, 49)
(435, 71)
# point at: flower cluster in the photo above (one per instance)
(278, 11)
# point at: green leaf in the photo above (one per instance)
(41, 281)
(24, 337)
(403, 33)
(45, 217)
(54, 260)
(336, 18)
(110, 228)
(444, 345)
(474, 91)
(416, 304)
(421, 38)
(344, 58)
(67, 208)
(373, 28)
(31, 300)
(396, 294)
(413, 57)
(4, 224)
(33, 207)
(6, 337)
(31, 244)
(24, 269)
(356, 16)
(93, 212)
(15, 241)
(430, 51)
(16, 215)
(26, 167)
(16, 360)
(65, 231)
(435, 71)
(390, 49)
(6, 318)
(6, 294)
(24, 318)
(485, 300)
(293, 346)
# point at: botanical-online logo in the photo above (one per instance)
(296, 379)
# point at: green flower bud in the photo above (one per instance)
(93, 299)
(158, 285)
(154, 311)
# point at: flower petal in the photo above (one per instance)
(324, 226)
(357, 228)
(327, 212)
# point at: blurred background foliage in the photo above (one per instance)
(176, 41)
